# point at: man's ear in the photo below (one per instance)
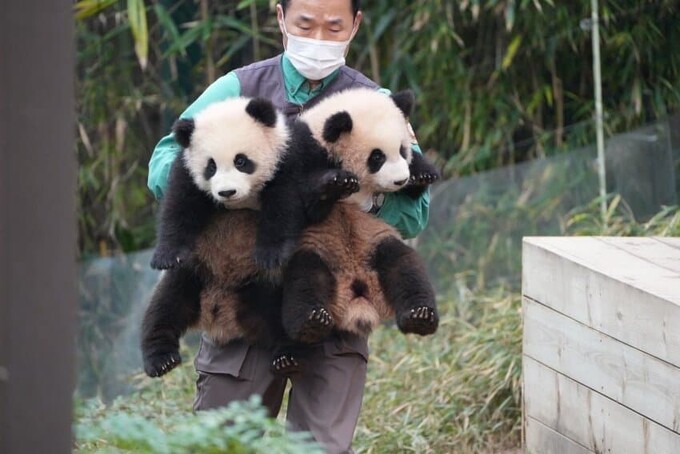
(405, 100)
(184, 129)
(336, 125)
(263, 111)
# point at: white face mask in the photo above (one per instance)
(315, 58)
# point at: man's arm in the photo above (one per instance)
(407, 215)
(164, 154)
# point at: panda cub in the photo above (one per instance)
(206, 231)
(350, 270)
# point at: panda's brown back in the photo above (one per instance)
(346, 241)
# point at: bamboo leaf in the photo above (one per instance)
(512, 51)
(89, 8)
(166, 21)
(140, 32)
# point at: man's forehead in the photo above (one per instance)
(320, 10)
(305, 17)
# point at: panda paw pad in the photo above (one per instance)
(161, 364)
(317, 326)
(341, 184)
(423, 179)
(284, 364)
(421, 320)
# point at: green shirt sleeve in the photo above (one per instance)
(164, 154)
(407, 215)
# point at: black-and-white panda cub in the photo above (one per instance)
(350, 270)
(206, 232)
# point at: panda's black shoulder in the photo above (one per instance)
(305, 153)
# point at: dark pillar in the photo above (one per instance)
(37, 226)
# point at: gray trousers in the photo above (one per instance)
(325, 399)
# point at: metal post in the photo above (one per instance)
(598, 109)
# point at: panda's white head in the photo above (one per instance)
(368, 132)
(232, 148)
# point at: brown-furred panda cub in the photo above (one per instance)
(351, 271)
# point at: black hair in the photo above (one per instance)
(356, 5)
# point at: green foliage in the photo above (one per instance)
(620, 221)
(240, 428)
(157, 419)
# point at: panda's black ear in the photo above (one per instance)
(405, 100)
(336, 125)
(263, 111)
(184, 129)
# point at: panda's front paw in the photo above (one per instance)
(423, 179)
(272, 256)
(421, 320)
(316, 327)
(165, 259)
(339, 184)
(160, 364)
(284, 365)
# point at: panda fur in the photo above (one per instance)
(206, 234)
(350, 270)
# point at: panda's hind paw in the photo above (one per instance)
(164, 259)
(317, 326)
(284, 364)
(273, 256)
(160, 364)
(422, 320)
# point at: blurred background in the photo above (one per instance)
(505, 107)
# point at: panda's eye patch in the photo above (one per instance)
(402, 152)
(376, 160)
(210, 169)
(243, 164)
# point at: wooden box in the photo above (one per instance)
(601, 348)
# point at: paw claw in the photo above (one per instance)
(421, 320)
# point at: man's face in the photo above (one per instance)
(330, 20)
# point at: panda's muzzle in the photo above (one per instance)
(227, 194)
(401, 182)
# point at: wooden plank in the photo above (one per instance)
(579, 283)
(587, 418)
(669, 241)
(629, 376)
(648, 249)
(541, 439)
(614, 263)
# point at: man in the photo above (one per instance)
(326, 399)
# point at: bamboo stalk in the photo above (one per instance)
(597, 71)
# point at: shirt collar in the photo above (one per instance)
(295, 82)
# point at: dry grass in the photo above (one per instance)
(458, 391)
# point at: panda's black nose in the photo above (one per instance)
(401, 182)
(227, 194)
